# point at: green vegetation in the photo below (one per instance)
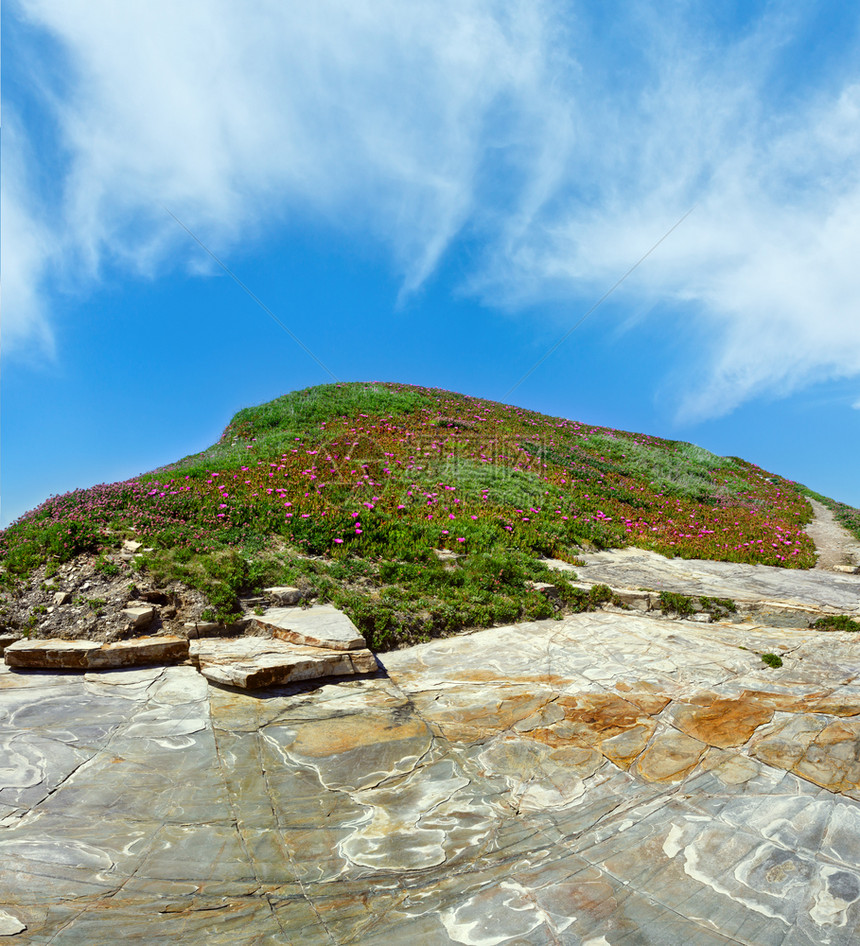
(350, 487)
(672, 603)
(96, 605)
(718, 607)
(104, 566)
(772, 660)
(837, 622)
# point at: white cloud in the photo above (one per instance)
(564, 154)
(28, 249)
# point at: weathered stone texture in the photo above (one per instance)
(89, 655)
(609, 779)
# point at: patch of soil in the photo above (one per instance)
(79, 602)
(835, 544)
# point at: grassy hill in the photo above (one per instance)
(347, 490)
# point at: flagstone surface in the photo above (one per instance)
(757, 585)
(606, 779)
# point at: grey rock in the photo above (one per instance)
(320, 626)
(284, 595)
(205, 628)
(255, 662)
(89, 655)
(62, 597)
(140, 616)
(637, 600)
(445, 556)
(10, 925)
(7, 639)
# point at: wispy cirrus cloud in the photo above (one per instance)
(558, 143)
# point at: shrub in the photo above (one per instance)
(837, 622)
(672, 603)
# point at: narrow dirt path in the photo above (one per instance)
(835, 544)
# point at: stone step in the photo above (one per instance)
(7, 639)
(255, 662)
(319, 626)
(58, 654)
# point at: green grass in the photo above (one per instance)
(772, 660)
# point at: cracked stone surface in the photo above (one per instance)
(759, 585)
(607, 779)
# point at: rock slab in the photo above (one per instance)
(89, 655)
(320, 626)
(255, 662)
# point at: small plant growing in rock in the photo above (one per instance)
(717, 607)
(104, 566)
(96, 605)
(599, 594)
(837, 622)
(772, 660)
(672, 603)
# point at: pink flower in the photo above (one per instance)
(339, 541)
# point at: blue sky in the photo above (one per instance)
(432, 193)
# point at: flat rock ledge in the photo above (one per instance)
(292, 645)
(89, 655)
(320, 626)
(255, 662)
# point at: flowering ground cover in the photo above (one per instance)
(386, 473)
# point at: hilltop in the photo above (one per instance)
(418, 511)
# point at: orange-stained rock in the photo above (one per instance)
(723, 722)
(625, 747)
(647, 696)
(832, 760)
(465, 713)
(670, 757)
(318, 738)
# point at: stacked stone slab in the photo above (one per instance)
(286, 645)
